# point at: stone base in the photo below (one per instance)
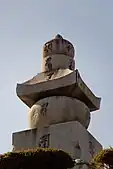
(71, 137)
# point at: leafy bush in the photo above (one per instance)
(36, 158)
(105, 158)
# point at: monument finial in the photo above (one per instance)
(58, 36)
(58, 53)
(59, 46)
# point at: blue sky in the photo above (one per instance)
(25, 25)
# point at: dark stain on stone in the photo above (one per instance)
(44, 141)
(44, 109)
(48, 64)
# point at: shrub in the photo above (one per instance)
(36, 158)
(105, 157)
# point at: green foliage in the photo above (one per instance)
(36, 158)
(105, 157)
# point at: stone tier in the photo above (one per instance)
(57, 61)
(58, 109)
(58, 53)
(61, 82)
(71, 137)
(58, 45)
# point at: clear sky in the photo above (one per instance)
(25, 25)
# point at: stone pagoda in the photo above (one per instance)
(59, 104)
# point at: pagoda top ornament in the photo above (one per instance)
(58, 45)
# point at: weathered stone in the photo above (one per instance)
(56, 62)
(71, 137)
(58, 53)
(60, 104)
(58, 46)
(58, 109)
(61, 82)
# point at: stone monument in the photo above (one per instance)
(59, 104)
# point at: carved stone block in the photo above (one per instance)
(71, 137)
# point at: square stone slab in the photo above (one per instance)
(79, 143)
(61, 82)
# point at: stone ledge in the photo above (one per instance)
(60, 83)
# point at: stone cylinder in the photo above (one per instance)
(58, 53)
(57, 61)
(58, 109)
